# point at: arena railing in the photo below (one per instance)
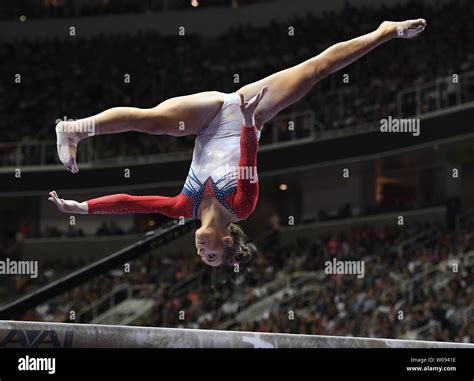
(128, 311)
(465, 315)
(421, 332)
(431, 276)
(37, 153)
(439, 94)
(436, 213)
(142, 246)
(190, 282)
(413, 240)
(436, 95)
(287, 284)
(121, 293)
(104, 303)
(43, 153)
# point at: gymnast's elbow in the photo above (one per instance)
(246, 211)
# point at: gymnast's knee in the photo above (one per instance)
(320, 69)
(261, 118)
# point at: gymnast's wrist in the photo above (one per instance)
(249, 121)
(83, 208)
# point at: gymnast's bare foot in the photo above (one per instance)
(68, 135)
(404, 29)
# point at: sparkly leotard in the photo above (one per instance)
(223, 164)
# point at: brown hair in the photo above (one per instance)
(241, 250)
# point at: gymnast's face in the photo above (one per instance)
(211, 244)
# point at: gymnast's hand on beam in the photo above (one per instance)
(68, 206)
(248, 108)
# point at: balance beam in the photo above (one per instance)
(19, 334)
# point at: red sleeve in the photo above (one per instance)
(245, 200)
(174, 207)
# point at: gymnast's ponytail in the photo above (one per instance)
(241, 250)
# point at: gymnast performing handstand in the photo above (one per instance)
(222, 187)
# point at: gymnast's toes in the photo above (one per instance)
(66, 141)
(67, 155)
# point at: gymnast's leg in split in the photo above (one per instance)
(190, 114)
(290, 85)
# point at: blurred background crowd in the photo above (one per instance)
(396, 280)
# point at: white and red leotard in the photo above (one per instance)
(220, 153)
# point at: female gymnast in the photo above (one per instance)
(221, 187)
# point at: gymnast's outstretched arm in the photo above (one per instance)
(174, 207)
